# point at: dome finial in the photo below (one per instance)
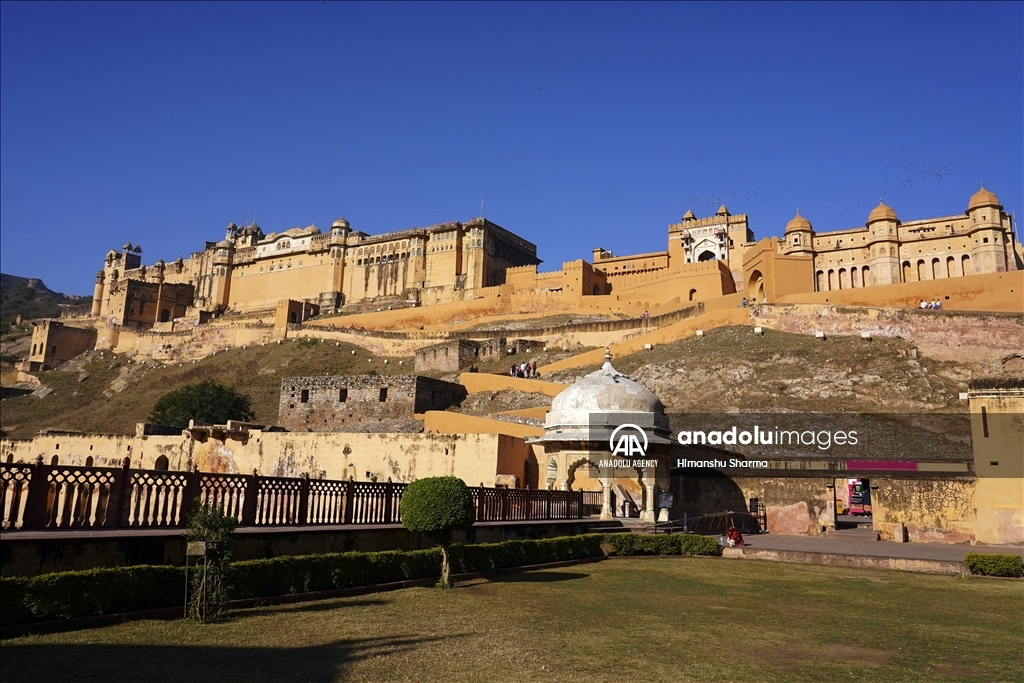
(607, 355)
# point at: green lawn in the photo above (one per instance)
(656, 619)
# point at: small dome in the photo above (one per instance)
(798, 222)
(604, 391)
(232, 226)
(340, 223)
(127, 246)
(160, 263)
(688, 216)
(983, 198)
(722, 211)
(881, 213)
(224, 244)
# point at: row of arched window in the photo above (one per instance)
(935, 268)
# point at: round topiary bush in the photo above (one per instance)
(437, 506)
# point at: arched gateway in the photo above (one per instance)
(608, 431)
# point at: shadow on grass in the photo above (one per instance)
(539, 577)
(157, 663)
(293, 608)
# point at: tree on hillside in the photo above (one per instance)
(437, 506)
(208, 402)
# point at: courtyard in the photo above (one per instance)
(652, 619)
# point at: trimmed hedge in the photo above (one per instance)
(307, 573)
(987, 564)
(669, 544)
(481, 557)
(91, 592)
(127, 589)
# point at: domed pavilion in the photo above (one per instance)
(606, 431)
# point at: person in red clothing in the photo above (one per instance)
(735, 537)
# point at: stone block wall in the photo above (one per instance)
(458, 354)
(363, 403)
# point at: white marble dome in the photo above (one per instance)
(606, 391)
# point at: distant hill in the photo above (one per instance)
(30, 298)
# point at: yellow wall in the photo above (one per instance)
(988, 292)
(474, 457)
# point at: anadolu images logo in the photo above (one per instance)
(628, 443)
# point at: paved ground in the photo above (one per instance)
(915, 551)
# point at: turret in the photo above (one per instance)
(988, 252)
(799, 236)
(883, 236)
(97, 294)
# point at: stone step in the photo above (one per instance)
(858, 533)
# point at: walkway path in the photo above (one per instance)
(916, 551)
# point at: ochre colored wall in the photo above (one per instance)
(988, 292)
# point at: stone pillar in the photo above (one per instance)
(648, 516)
(606, 498)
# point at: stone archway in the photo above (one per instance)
(707, 256)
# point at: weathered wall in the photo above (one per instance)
(795, 505)
(942, 335)
(378, 403)
(988, 292)
(365, 456)
(54, 342)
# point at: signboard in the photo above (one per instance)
(665, 500)
(195, 549)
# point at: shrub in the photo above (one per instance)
(669, 544)
(307, 573)
(437, 506)
(91, 592)
(486, 556)
(208, 401)
(987, 564)
(208, 589)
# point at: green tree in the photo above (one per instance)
(208, 401)
(208, 587)
(437, 506)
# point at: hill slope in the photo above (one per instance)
(729, 369)
(30, 298)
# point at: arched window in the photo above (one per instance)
(54, 461)
(951, 267)
(693, 293)
(906, 271)
(161, 463)
(965, 264)
(920, 270)
(165, 315)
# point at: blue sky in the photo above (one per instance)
(579, 125)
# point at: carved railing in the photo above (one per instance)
(45, 497)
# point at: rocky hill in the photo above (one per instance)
(728, 370)
(30, 298)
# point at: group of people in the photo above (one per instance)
(645, 315)
(524, 370)
(934, 304)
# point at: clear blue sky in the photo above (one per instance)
(579, 125)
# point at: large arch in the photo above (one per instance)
(965, 265)
(936, 271)
(707, 256)
(951, 267)
(920, 270)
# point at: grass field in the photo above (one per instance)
(656, 619)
